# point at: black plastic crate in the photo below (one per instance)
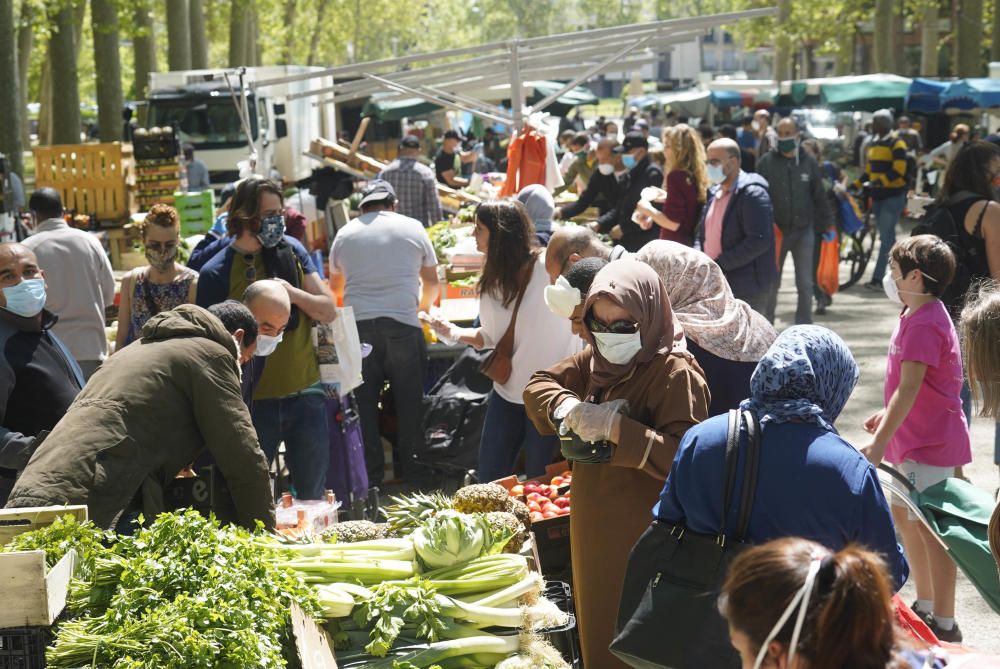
(24, 647)
(565, 638)
(552, 541)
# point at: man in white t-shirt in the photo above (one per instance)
(388, 270)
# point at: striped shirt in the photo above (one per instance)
(885, 166)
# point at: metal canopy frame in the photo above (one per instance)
(592, 51)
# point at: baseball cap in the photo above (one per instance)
(633, 140)
(452, 134)
(410, 142)
(377, 191)
(641, 124)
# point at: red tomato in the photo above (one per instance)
(549, 514)
(563, 511)
(517, 491)
(533, 506)
(557, 481)
(553, 492)
(531, 487)
(536, 516)
(561, 502)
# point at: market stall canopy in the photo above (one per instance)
(868, 93)
(972, 94)
(391, 107)
(925, 95)
(685, 103)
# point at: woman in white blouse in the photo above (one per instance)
(513, 285)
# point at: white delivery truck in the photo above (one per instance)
(199, 103)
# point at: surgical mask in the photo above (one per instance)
(272, 230)
(27, 298)
(267, 344)
(618, 349)
(628, 160)
(562, 298)
(607, 169)
(892, 291)
(800, 603)
(161, 260)
(716, 174)
(787, 144)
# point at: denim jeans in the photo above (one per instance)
(300, 422)
(505, 430)
(399, 356)
(967, 409)
(886, 213)
(800, 243)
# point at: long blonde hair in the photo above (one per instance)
(687, 153)
(981, 344)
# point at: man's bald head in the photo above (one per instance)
(724, 153)
(17, 263)
(268, 301)
(570, 244)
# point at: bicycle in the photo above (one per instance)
(856, 248)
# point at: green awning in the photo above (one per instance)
(867, 94)
(572, 98)
(392, 107)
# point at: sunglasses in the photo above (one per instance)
(617, 327)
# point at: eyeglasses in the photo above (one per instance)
(251, 271)
(617, 327)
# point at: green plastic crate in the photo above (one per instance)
(196, 211)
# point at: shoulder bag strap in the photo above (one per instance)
(977, 230)
(506, 343)
(732, 456)
(749, 473)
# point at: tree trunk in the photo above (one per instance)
(317, 32)
(45, 102)
(108, 69)
(995, 44)
(969, 39)
(897, 63)
(783, 47)
(883, 36)
(253, 37)
(144, 45)
(10, 109)
(238, 32)
(199, 38)
(288, 54)
(178, 35)
(62, 56)
(929, 38)
(25, 40)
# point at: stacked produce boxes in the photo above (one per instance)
(157, 166)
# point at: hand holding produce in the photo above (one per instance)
(447, 331)
(653, 194)
(593, 422)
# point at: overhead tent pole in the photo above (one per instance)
(600, 67)
(493, 109)
(403, 88)
(634, 29)
(516, 88)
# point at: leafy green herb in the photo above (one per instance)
(57, 539)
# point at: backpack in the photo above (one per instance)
(970, 257)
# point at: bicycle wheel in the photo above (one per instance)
(855, 252)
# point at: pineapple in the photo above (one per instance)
(481, 498)
(408, 511)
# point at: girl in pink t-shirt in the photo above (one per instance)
(922, 430)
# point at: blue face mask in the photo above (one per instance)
(272, 230)
(25, 299)
(628, 160)
(715, 174)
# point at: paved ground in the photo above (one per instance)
(865, 320)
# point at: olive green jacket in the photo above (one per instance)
(146, 414)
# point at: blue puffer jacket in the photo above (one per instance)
(748, 255)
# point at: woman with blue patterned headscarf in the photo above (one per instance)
(811, 483)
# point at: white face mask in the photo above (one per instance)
(892, 291)
(266, 344)
(618, 349)
(561, 298)
(607, 169)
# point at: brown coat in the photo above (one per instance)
(613, 503)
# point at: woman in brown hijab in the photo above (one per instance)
(622, 407)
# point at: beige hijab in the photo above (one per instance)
(704, 304)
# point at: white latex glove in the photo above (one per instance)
(653, 194)
(446, 331)
(592, 422)
(839, 189)
(563, 410)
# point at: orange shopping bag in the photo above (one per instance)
(779, 237)
(828, 269)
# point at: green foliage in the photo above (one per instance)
(65, 533)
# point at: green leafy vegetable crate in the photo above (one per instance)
(34, 596)
(18, 521)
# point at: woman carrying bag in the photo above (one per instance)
(622, 405)
(810, 483)
(524, 334)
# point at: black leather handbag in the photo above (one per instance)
(668, 615)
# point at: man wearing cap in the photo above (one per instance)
(642, 125)
(445, 164)
(642, 173)
(387, 268)
(414, 183)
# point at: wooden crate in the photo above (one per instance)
(92, 178)
(33, 596)
(17, 521)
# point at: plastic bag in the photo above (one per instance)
(338, 352)
(828, 268)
